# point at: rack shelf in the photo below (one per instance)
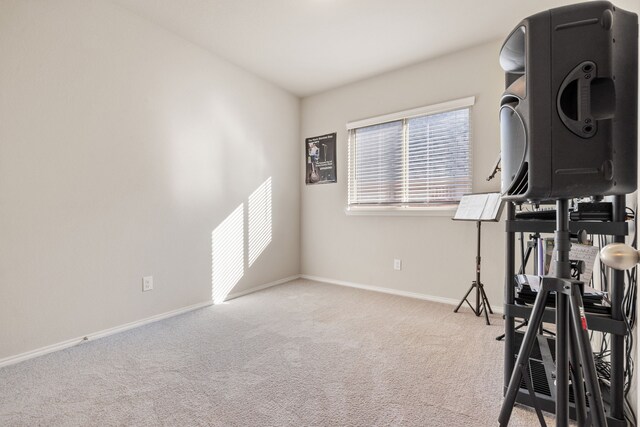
(545, 226)
(597, 322)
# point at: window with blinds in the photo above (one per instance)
(418, 158)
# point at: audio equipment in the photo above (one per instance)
(568, 116)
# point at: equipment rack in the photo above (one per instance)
(612, 324)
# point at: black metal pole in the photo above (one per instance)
(486, 307)
(563, 270)
(617, 341)
(577, 380)
(478, 260)
(509, 297)
(579, 326)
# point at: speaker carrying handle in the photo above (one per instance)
(574, 100)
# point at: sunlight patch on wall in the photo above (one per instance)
(227, 255)
(259, 220)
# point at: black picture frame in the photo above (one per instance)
(320, 159)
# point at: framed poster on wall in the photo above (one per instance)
(320, 153)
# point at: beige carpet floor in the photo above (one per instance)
(299, 354)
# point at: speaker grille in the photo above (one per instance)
(521, 182)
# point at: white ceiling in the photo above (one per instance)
(307, 46)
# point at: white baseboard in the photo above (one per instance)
(416, 295)
(261, 287)
(100, 334)
(111, 331)
(106, 332)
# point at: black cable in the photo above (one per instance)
(604, 283)
(628, 412)
(602, 358)
(628, 306)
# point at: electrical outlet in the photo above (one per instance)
(147, 283)
(397, 264)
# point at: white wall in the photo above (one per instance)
(122, 147)
(438, 254)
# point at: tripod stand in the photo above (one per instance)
(572, 342)
(482, 302)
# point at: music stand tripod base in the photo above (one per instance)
(482, 302)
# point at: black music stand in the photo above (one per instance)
(479, 207)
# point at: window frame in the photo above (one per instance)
(406, 210)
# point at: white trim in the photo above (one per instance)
(420, 111)
(117, 329)
(444, 211)
(261, 287)
(10, 360)
(416, 295)
(100, 334)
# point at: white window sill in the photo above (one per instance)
(442, 211)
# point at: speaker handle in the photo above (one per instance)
(574, 100)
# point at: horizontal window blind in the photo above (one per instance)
(379, 163)
(417, 161)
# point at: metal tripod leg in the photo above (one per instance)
(464, 298)
(562, 360)
(522, 325)
(577, 380)
(581, 331)
(485, 303)
(522, 362)
(517, 328)
(484, 298)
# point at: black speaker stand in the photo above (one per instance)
(573, 348)
(482, 302)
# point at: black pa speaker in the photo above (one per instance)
(568, 116)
